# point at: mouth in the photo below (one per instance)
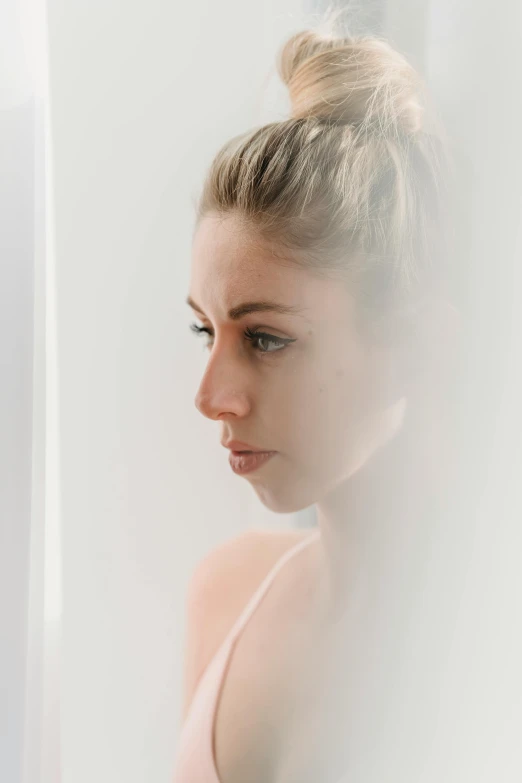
(243, 462)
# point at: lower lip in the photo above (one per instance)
(242, 463)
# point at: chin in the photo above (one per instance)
(288, 498)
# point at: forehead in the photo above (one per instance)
(232, 263)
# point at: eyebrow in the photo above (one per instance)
(235, 313)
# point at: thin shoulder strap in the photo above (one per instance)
(208, 698)
(258, 595)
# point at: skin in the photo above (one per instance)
(326, 402)
(356, 431)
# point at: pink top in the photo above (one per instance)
(195, 761)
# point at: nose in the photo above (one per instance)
(223, 389)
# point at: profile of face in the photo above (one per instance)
(312, 388)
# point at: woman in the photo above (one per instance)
(317, 275)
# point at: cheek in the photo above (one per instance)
(323, 405)
(339, 413)
(324, 400)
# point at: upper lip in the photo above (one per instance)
(237, 445)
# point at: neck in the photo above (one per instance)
(376, 524)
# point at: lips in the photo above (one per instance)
(243, 462)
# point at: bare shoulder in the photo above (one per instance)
(220, 587)
(230, 572)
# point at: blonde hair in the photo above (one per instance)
(350, 184)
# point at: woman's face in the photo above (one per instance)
(314, 391)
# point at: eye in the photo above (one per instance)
(259, 339)
(199, 330)
(277, 343)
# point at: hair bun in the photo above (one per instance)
(361, 81)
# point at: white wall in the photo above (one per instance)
(17, 135)
(142, 95)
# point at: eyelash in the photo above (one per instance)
(249, 335)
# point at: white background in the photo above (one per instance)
(99, 370)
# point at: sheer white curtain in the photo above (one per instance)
(29, 541)
(481, 694)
